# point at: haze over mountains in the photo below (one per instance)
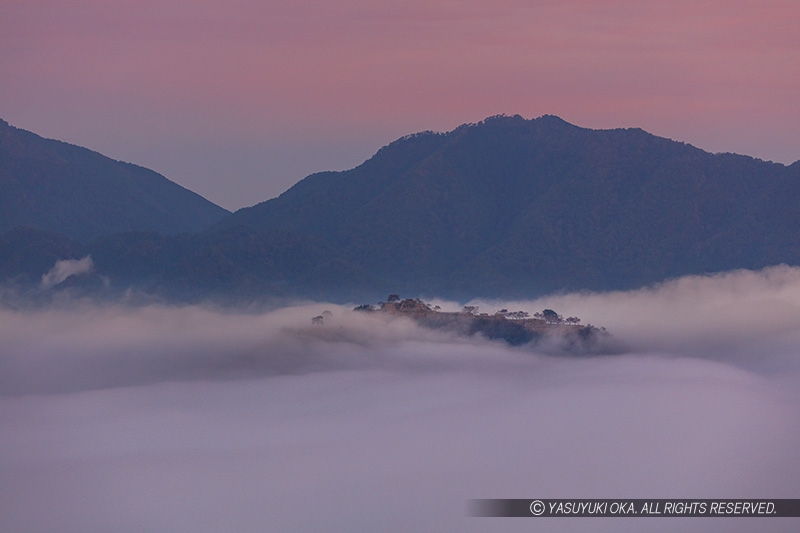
(507, 207)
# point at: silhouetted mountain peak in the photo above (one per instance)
(58, 186)
(515, 206)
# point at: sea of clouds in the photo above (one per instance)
(195, 419)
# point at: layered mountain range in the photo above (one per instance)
(507, 207)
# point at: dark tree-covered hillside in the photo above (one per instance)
(55, 186)
(521, 207)
(507, 207)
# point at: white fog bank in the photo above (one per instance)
(192, 419)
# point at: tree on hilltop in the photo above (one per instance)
(551, 317)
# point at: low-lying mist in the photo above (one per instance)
(159, 418)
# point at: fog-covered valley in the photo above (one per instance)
(162, 418)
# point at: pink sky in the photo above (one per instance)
(238, 100)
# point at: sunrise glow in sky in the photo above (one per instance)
(238, 100)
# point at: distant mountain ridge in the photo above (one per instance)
(507, 207)
(511, 206)
(56, 186)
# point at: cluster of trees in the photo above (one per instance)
(516, 315)
(551, 317)
(319, 320)
(548, 315)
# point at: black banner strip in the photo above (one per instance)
(617, 508)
